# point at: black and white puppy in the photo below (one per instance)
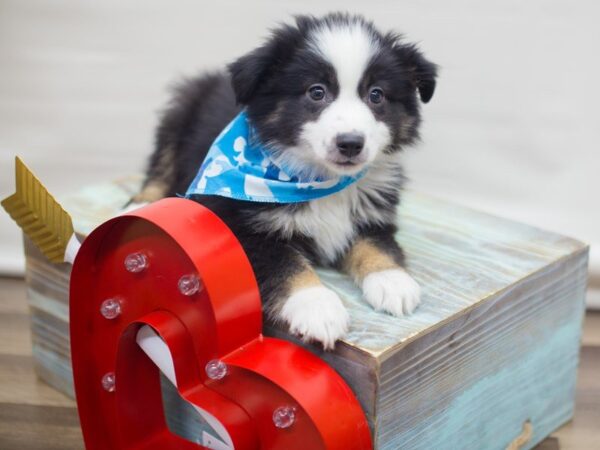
(329, 96)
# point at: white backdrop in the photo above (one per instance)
(513, 128)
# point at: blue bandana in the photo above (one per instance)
(239, 167)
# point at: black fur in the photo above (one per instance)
(271, 82)
(197, 113)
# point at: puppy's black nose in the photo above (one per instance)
(350, 144)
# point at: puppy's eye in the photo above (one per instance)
(316, 92)
(376, 95)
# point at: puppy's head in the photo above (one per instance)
(329, 95)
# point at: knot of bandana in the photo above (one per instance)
(238, 167)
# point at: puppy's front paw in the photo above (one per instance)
(316, 313)
(392, 290)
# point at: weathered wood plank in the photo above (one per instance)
(548, 444)
(583, 432)
(490, 371)
(20, 384)
(37, 427)
(591, 328)
(9, 324)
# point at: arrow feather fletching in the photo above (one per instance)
(38, 214)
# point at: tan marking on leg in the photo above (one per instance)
(153, 191)
(306, 278)
(365, 258)
(159, 179)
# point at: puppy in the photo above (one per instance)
(331, 97)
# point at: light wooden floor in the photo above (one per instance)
(35, 416)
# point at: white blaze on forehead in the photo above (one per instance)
(348, 48)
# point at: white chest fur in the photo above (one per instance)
(332, 221)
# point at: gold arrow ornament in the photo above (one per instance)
(41, 217)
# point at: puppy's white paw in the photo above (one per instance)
(392, 290)
(316, 313)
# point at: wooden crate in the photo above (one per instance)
(494, 344)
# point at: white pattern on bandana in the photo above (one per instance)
(238, 168)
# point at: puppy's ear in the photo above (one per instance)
(422, 71)
(255, 68)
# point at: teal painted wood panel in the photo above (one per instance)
(474, 381)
